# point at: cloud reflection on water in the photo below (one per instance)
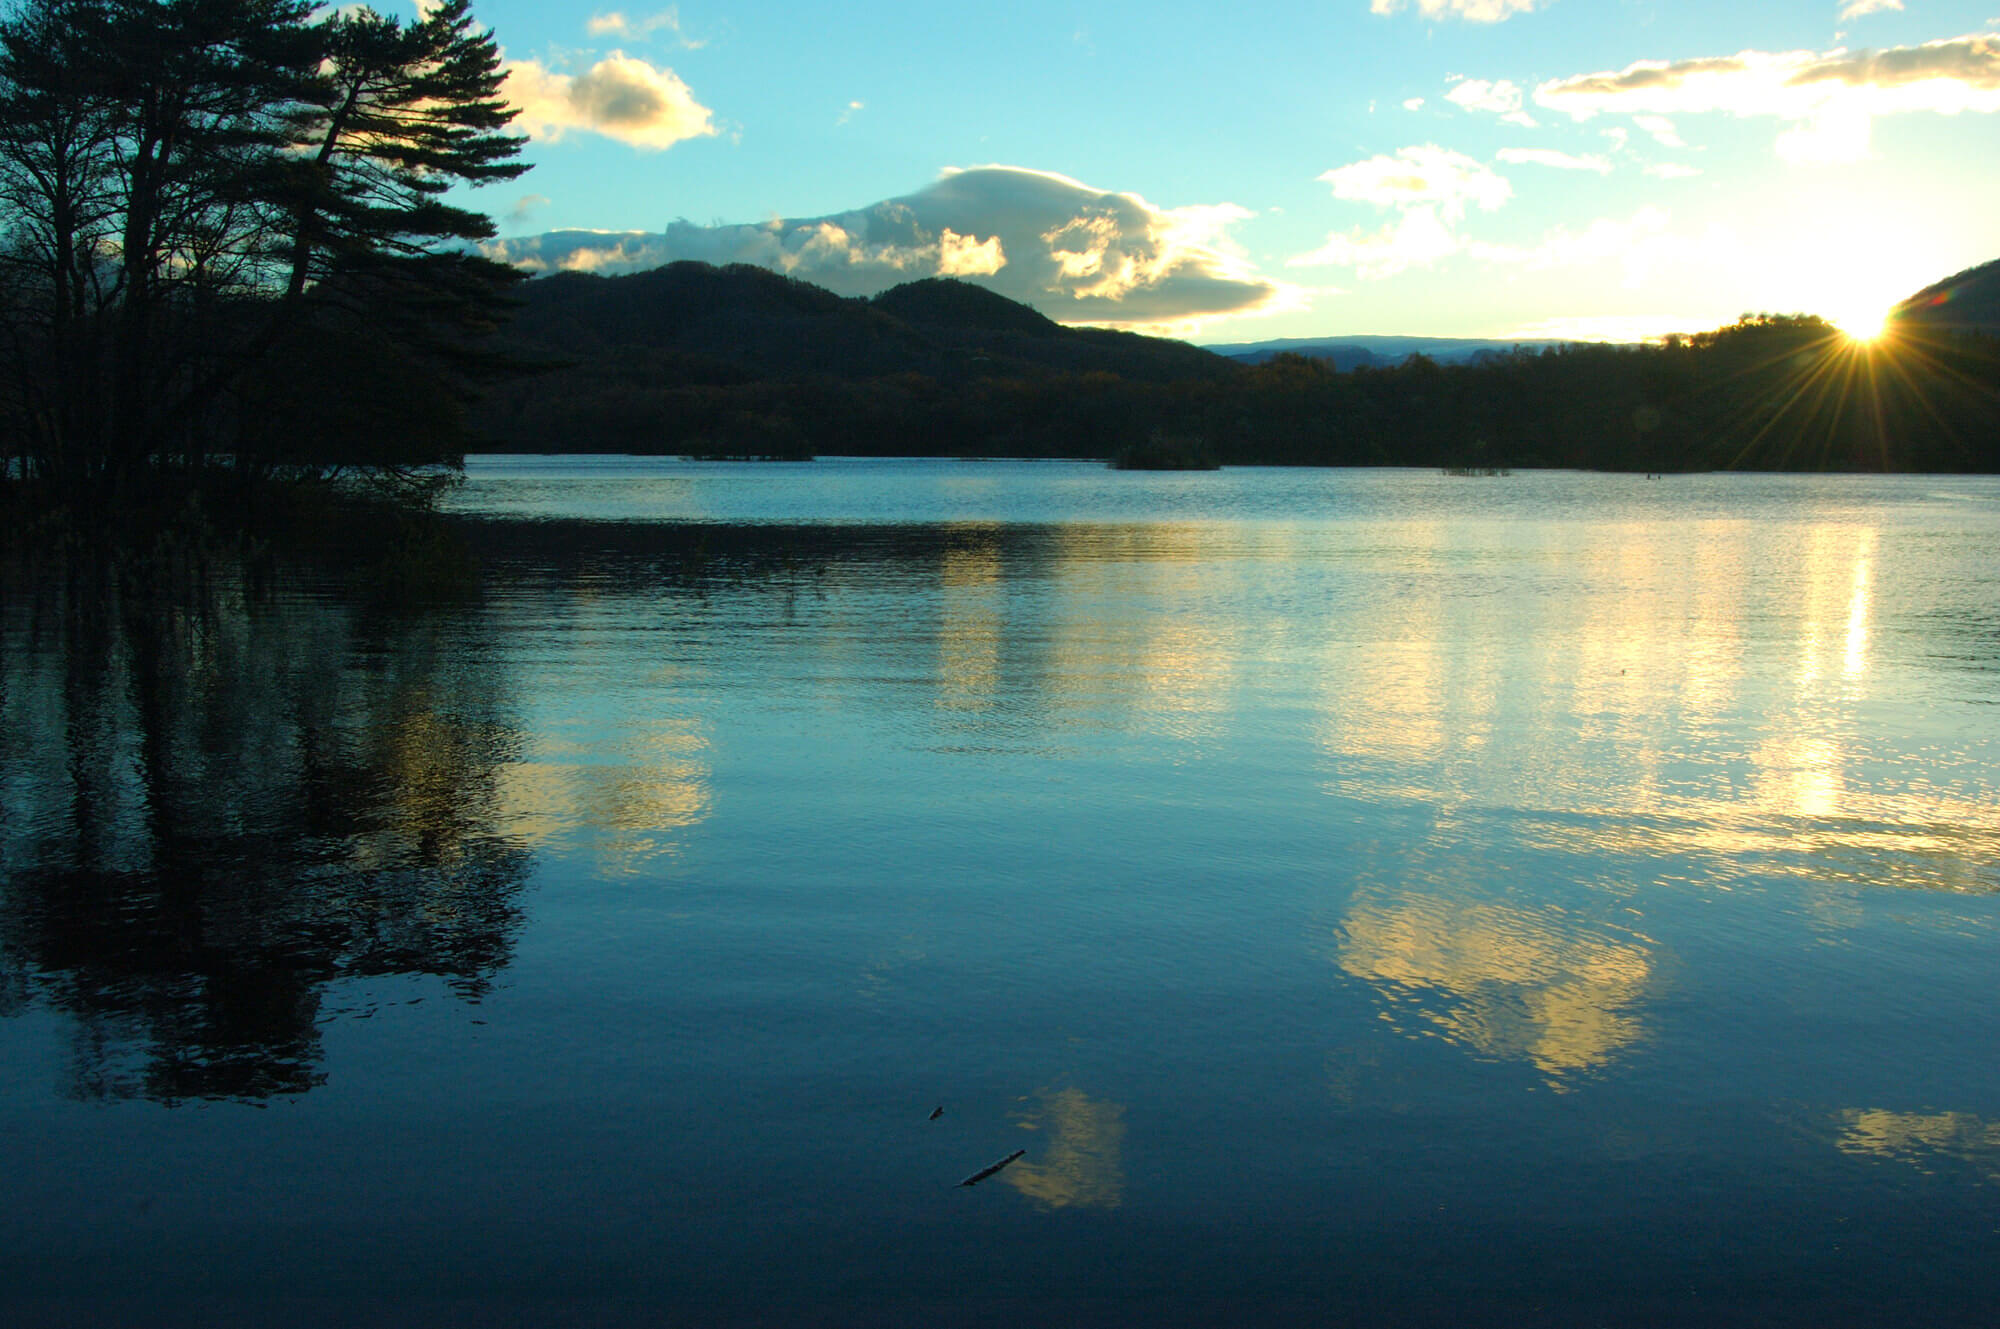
(1503, 981)
(1080, 1164)
(972, 623)
(632, 787)
(1697, 709)
(1922, 1139)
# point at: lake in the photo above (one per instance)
(1369, 897)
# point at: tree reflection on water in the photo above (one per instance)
(224, 793)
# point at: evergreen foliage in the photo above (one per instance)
(224, 242)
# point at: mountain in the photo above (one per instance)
(726, 324)
(740, 360)
(1373, 352)
(1968, 301)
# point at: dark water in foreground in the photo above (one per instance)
(1372, 898)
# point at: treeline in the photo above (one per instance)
(738, 361)
(1766, 393)
(225, 250)
(227, 256)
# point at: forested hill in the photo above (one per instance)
(729, 323)
(740, 360)
(1968, 301)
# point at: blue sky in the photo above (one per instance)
(1437, 167)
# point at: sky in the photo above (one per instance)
(1611, 169)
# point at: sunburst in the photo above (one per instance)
(1863, 322)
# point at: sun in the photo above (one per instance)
(1862, 321)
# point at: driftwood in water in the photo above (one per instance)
(986, 1172)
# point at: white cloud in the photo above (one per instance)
(621, 97)
(1612, 327)
(1828, 100)
(964, 256)
(616, 24)
(1417, 239)
(1561, 161)
(1420, 238)
(1427, 175)
(1477, 94)
(1637, 244)
(1414, 104)
(1500, 98)
(1472, 11)
(1078, 254)
(1423, 236)
(1838, 133)
(1661, 129)
(1671, 171)
(1430, 186)
(1854, 9)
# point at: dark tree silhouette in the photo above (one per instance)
(194, 191)
(221, 800)
(739, 361)
(400, 114)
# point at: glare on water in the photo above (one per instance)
(1313, 875)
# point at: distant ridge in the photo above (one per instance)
(1967, 301)
(1371, 351)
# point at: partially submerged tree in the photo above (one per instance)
(199, 196)
(380, 285)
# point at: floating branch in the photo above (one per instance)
(986, 1172)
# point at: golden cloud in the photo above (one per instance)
(621, 97)
(1832, 97)
(1504, 982)
(1076, 253)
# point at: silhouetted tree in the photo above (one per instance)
(400, 114)
(221, 799)
(191, 189)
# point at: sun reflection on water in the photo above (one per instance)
(1642, 717)
(971, 623)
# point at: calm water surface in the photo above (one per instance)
(1366, 897)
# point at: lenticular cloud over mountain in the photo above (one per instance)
(1077, 254)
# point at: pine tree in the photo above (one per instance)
(380, 284)
(402, 115)
(193, 192)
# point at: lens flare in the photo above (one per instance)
(1862, 322)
